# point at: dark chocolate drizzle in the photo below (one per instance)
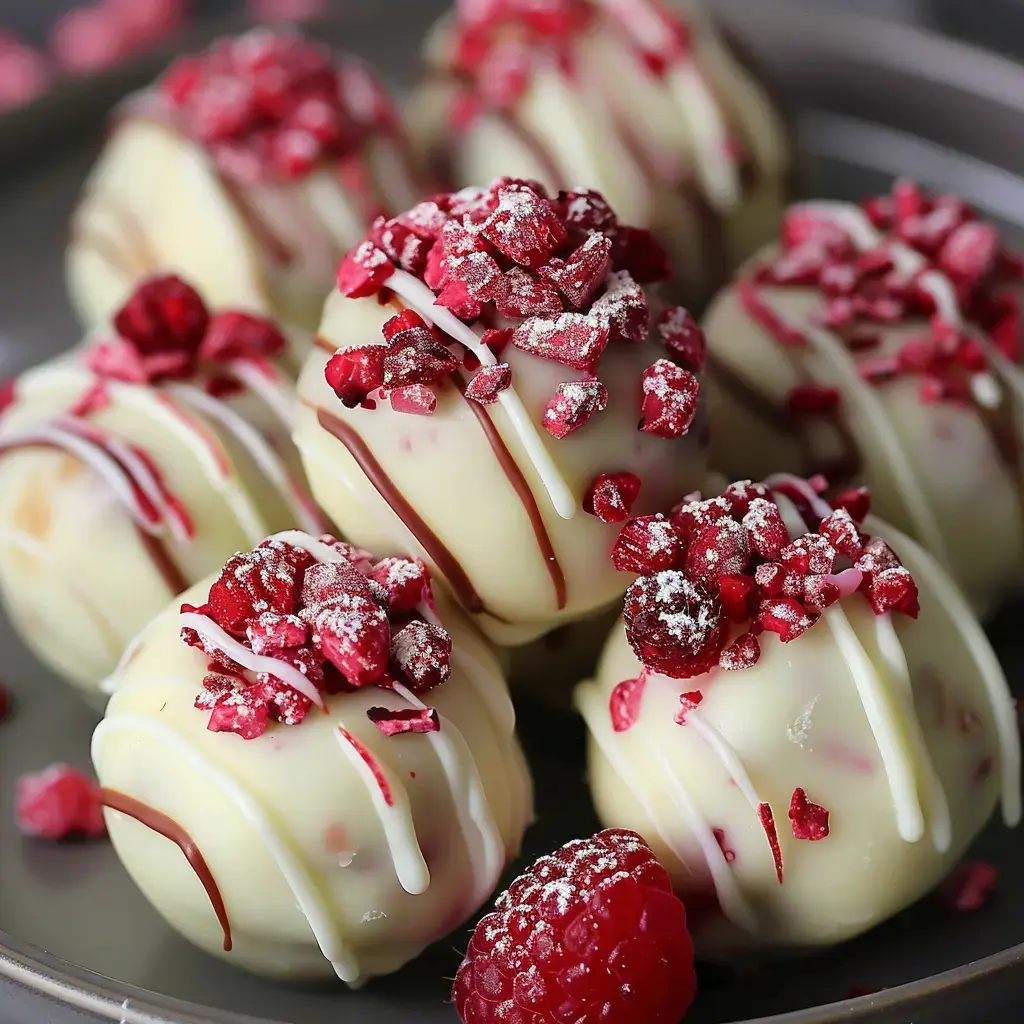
(526, 496)
(170, 829)
(385, 487)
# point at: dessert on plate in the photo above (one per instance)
(880, 344)
(132, 466)
(493, 389)
(249, 168)
(799, 712)
(643, 100)
(332, 750)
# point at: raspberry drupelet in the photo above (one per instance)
(590, 933)
(496, 385)
(799, 711)
(342, 773)
(133, 465)
(636, 98)
(879, 344)
(251, 167)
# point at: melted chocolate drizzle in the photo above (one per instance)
(385, 487)
(526, 496)
(170, 829)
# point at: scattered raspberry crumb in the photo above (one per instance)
(57, 803)
(574, 404)
(810, 820)
(767, 819)
(611, 496)
(591, 932)
(489, 382)
(970, 886)
(625, 702)
(405, 720)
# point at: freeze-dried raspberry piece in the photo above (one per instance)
(405, 720)
(401, 244)
(894, 590)
(272, 632)
(524, 226)
(355, 640)
(587, 211)
(820, 592)
(572, 339)
(415, 356)
(364, 271)
(647, 544)
(877, 556)
(682, 336)
(414, 400)
(610, 496)
(489, 382)
(242, 711)
(624, 306)
(625, 702)
(970, 886)
(764, 523)
(422, 652)
(801, 225)
(353, 373)
(811, 553)
(58, 802)
(690, 517)
(810, 820)
(334, 584)
(235, 335)
(743, 653)
(970, 252)
(405, 582)
(497, 340)
(856, 501)
(580, 274)
(842, 533)
(523, 294)
(674, 626)
(637, 251)
(737, 592)
(670, 400)
(426, 219)
(163, 314)
(718, 549)
(574, 404)
(786, 617)
(740, 494)
(812, 400)
(774, 579)
(267, 579)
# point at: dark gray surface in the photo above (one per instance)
(876, 102)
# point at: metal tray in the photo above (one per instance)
(873, 99)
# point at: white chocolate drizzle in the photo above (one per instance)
(308, 896)
(421, 299)
(394, 813)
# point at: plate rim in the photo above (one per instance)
(980, 72)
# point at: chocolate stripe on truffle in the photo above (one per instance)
(522, 488)
(170, 829)
(385, 487)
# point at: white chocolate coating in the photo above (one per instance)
(155, 201)
(903, 730)
(934, 470)
(80, 569)
(447, 470)
(657, 147)
(319, 875)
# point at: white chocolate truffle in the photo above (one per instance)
(250, 169)
(131, 468)
(645, 103)
(887, 739)
(504, 480)
(879, 346)
(331, 847)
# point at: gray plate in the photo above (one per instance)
(874, 100)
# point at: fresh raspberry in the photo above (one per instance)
(610, 496)
(57, 803)
(353, 373)
(674, 625)
(574, 404)
(590, 934)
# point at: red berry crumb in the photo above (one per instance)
(405, 720)
(591, 933)
(610, 497)
(414, 400)
(670, 399)
(970, 886)
(574, 404)
(489, 382)
(625, 702)
(353, 373)
(647, 544)
(682, 336)
(57, 803)
(809, 820)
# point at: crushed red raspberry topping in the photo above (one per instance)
(166, 333)
(405, 720)
(610, 496)
(574, 404)
(590, 933)
(721, 572)
(341, 624)
(625, 702)
(272, 105)
(489, 382)
(809, 820)
(682, 336)
(970, 886)
(670, 399)
(57, 803)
